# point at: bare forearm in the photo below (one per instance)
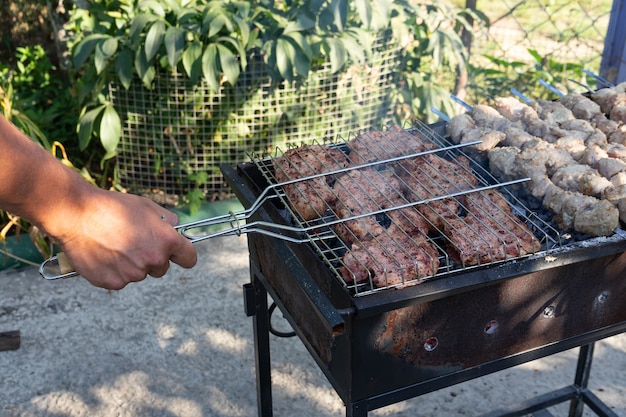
(33, 184)
(110, 238)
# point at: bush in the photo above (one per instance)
(123, 40)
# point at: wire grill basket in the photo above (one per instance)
(343, 251)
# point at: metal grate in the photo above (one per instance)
(176, 135)
(338, 250)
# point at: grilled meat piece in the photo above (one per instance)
(431, 176)
(359, 192)
(580, 212)
(458, 125)
(552, 112)
(502, 162)
(515, 111)
(486, 116)
(605, 98)
(489, 232)
(581, 178)
(309, 198)
(391, 259)
(618, 111)
(373, 146)
(581, 106)
(572, 145)
(463, 129)
(610, 166)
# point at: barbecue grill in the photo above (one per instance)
(380, 344)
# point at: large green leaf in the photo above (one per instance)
(144, 69)
(104, 51)
(154, 39)
(303, 53)
(137, 26)
(124, 67)
(100, 60)
(174, 44)
(339, 10)
(356, 44)
(192, 62)
(187, 16)
(239, 48)
(86, 125)
(229, 64)
(381, 14)
(244, 30)
(301, 24)
(154, 5)
(84, 48)
(210, 67)
(285, 56)
(215, 20)
(243, 8)
(302, 43)
(364, 9)
(109, 47)
(110, 129)
(337, 53)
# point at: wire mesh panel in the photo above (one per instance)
(563, 31)
(176, 135)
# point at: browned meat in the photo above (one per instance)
(309, 198)
(373, 146)
(431, 176)
(363, 191)
(459, 125)
(489, 232)
(392, 259)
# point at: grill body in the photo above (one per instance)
(396, 344)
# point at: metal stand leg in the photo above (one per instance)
(586, 397)
(256, 306)
(356, 410)
(583, 369)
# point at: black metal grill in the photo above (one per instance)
(396, 344)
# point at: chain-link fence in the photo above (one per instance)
(566, 32)
(559, 36)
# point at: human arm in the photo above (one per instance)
(110, 238)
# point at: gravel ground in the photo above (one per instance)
(182, 346)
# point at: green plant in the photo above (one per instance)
(126, 41)
(41, 97)
(497, 79)
(432, 54)
(214, 40)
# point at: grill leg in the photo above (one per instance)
(261, 326)
(581, 379)
(356, 409)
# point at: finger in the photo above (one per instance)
(169, 218)
(158, 272)
(185, 253)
